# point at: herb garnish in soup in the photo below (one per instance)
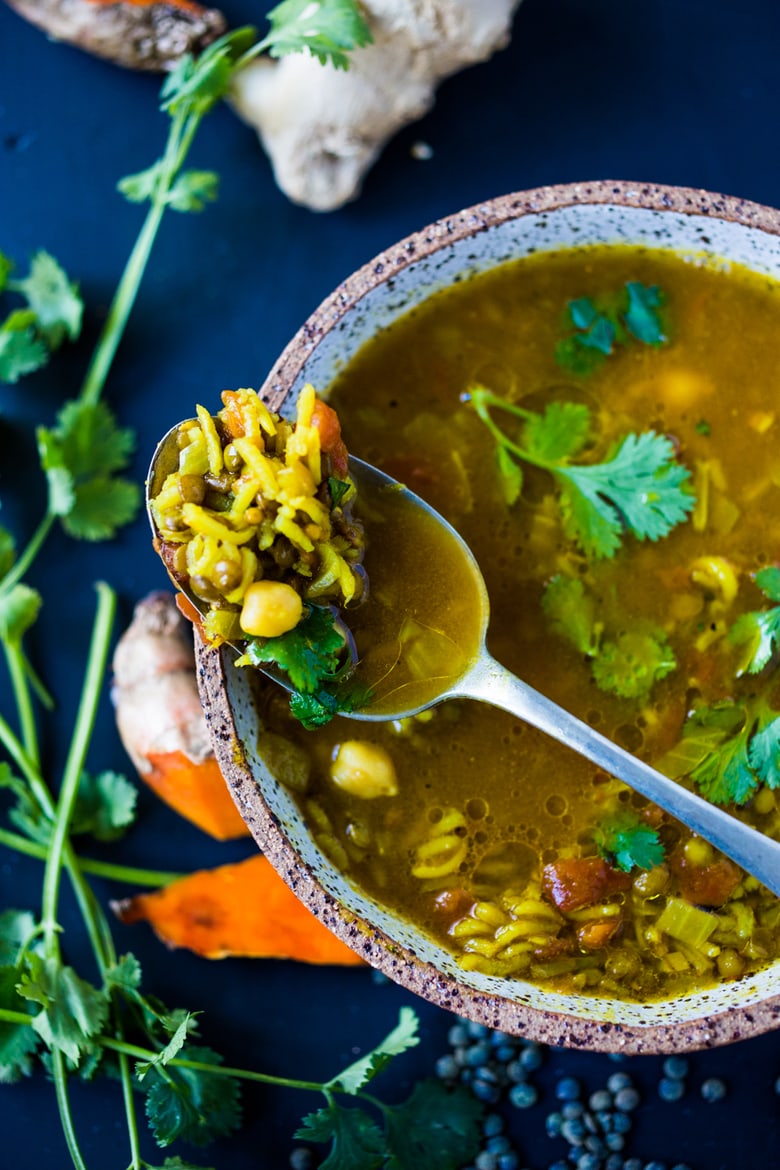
(601, 425)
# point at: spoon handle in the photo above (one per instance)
(756, 853)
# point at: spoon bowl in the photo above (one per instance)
(410, 533)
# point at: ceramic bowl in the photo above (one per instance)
(468, 242)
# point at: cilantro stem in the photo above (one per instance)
(85, 722)
(23, 562)
(16, 669)
(63, 1104)
(105, 869)
(20, 757)
(219, 1070)
(180, 135)
(8, 1016)
(483, 401)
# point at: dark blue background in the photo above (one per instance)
(674, 91)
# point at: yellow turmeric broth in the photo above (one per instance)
(502, 844)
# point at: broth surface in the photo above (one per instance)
(484, 802)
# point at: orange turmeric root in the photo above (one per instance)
(139, 34)
(244, 909)
(161, 721)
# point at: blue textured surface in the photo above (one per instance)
(677, 91)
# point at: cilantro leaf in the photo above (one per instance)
(105, 805)
(21, 352)
(171, 1049)
(633, 662)
(758, 632)
(559, 433)
(308, 654)
(570, 611)
(764, 753)
(641, 316)
(403, 1036)
(26, 814)
(17, 931)
(191, 1103)
(72, 1010)
(196, 84)
(357, 1142)
(193, 190)
(626, 842)
(339, 488)
(125, 975)
(317, 709)
(601, 325)
(511, 472)
(327, 29)
(53, 298)
(436, 1127)
(144, 184)
(703, 732)
(638, 488)
(768, 581)
(18, 1042)
(725, 775)
(79, 457)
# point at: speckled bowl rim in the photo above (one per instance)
(400, 962)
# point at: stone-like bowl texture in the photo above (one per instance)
(696, 223)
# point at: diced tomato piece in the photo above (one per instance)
(573, 882)
(705, 885)
(325, 419)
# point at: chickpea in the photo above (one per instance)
(698, 852)
(730, 964)
(270, 608)
(363, 769)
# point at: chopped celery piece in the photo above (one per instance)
(688, 924)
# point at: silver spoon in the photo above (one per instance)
(470, 671)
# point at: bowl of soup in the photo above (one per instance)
(583, 380)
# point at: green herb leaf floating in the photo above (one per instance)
(630, 665)
(570, 611)
(626, 842)
(758, 632)
(612, 320)
(308, 654)
(640, 488)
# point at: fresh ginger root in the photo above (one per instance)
(161, 721)
(323, 128)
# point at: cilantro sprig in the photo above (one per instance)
(639, 488)
(626, 663)
(626, 842)
(728, 749)
(311, 656)
(757, 633)
(51, 313)
(600, 326)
